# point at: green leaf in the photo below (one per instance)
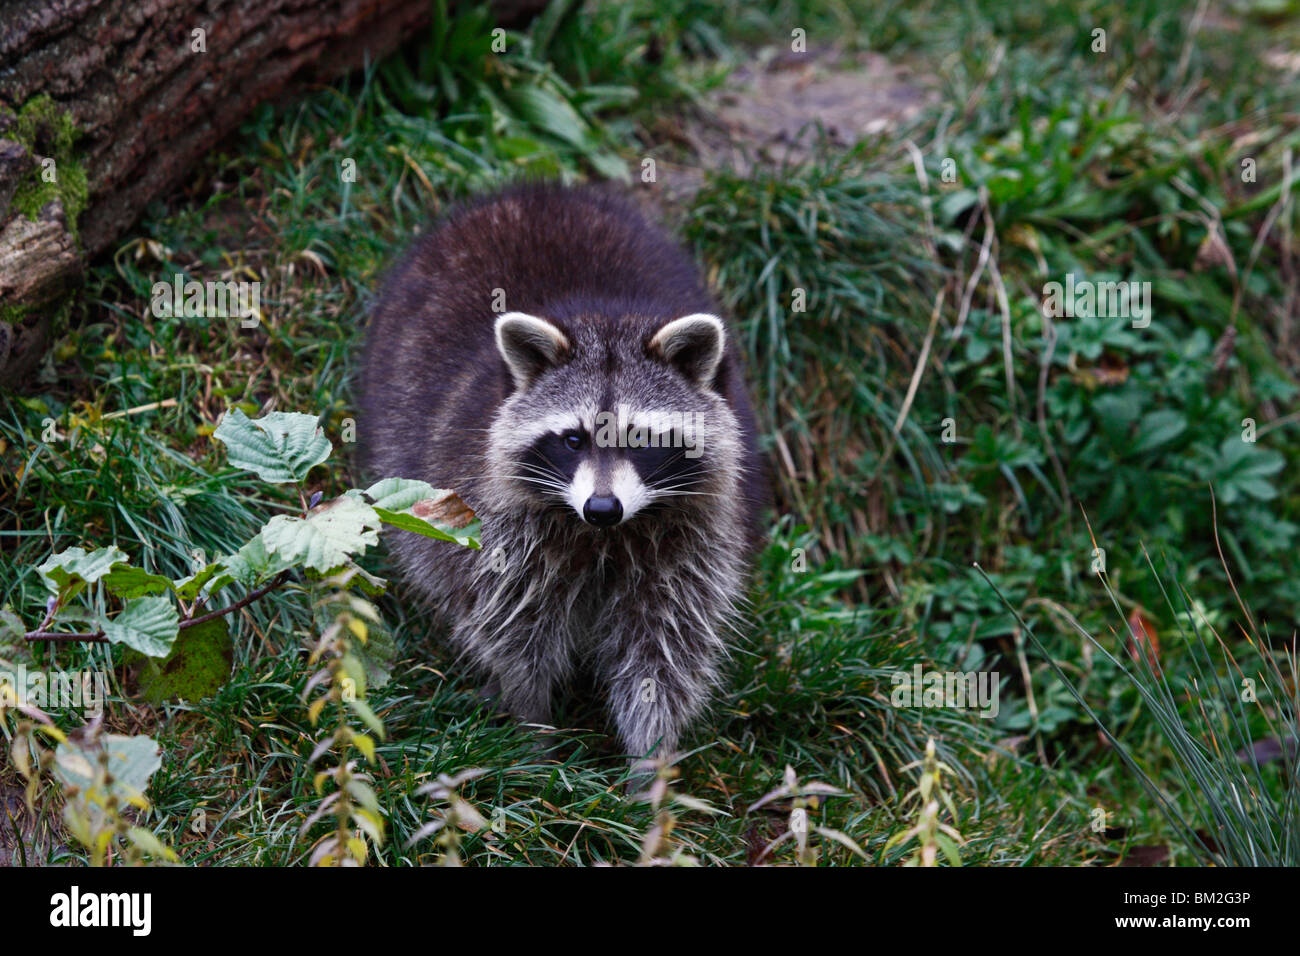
(955, 203)
(254, 562)
(280, 447)
(210, 576)
(67, 572)
(362, 710)
(148, 625)
(11, 628)
(609, 165)
(409, 522)
(377, 655)
(1158, 428)
(127, 581)
(949, 849)
(197, 666)
(326, 538)
(403, 502)
(398, 494)
(551, 114)
(131, 762)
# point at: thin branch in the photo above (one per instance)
(99, 637)
(249, 598)
(96, 638)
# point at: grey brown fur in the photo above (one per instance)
(643, 605)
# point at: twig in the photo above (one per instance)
(248, 599)
(911, 389)
(98, 637)
(151, 407)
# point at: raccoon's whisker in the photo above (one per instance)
(548, 485)
(664, 464)
(539, 470)
(544, 458)
(524, 478)
(683, 490)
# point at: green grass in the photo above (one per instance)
(1109, 166)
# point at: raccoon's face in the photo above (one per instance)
(614, 420)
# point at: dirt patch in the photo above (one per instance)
(769, 113)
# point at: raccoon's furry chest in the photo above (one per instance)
(578, 586)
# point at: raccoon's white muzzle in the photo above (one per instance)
(606, 497)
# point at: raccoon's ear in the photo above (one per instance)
(529, 345)
(693, 345)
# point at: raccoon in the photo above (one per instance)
(555, 359)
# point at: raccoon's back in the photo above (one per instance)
(432, 378)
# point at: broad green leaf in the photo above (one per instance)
(398, 494)
(377, 655)
(327, 537)
(417, 506)
(409, 522)
(551, 114)
(609, 165)
(254, 563)
(67, 572)
(127, 581)
(209, 578)
(197, 666)
(280, 447)
(148, 625)
(131, 762)
(1158, 428)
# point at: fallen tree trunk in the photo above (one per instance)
(105, 104)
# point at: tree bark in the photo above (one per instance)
(146, 102)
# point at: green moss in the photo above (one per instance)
(15, 313)
(12, 312)
(46, 131)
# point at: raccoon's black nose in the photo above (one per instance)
(603, 510)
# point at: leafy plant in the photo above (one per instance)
(804, 797)
(343, 681)
(323, 541)
(458, 814)
(491, 89)
(931, 796)
(102, 778)
(1230, 728)
(103, 773)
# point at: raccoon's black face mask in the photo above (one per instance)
(614, 419)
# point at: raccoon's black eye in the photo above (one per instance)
(574, 441)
